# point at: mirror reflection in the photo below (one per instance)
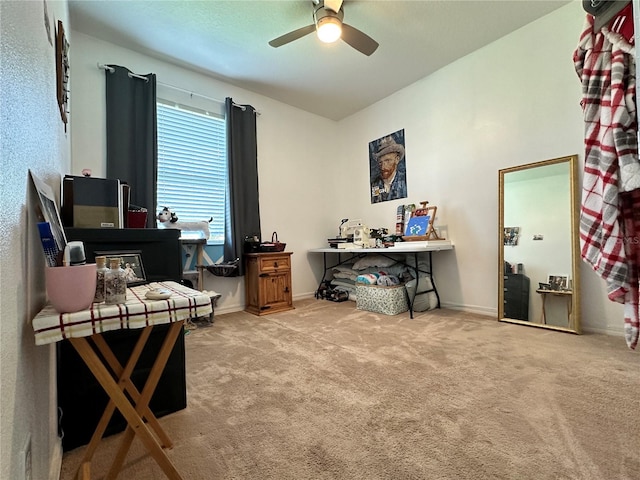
(538, 251)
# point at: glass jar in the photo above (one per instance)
(115, 283)
(101, 269)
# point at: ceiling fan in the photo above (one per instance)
(327, 22)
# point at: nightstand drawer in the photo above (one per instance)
(270, 264)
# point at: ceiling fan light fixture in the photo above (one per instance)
(329, 29)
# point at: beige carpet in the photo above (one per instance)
(330, 392)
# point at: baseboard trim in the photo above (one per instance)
(614, 332)
(477, 309)
(489, 312)
(240, 308)
(486, 311)
(492, 312)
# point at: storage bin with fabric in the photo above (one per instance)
(388, 300)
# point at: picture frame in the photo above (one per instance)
(511, 236)
(62, 73)
(558, 282)
(419, 225)
(48, 210)
(131, 263)
(387, 168)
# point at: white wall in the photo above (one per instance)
(32, 137)
(296, 187)
(512, 102)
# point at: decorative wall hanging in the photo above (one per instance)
(387, 168)
(62, 73)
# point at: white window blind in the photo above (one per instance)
(192, 165)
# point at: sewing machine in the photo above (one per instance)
(355, 231)
(352, 234)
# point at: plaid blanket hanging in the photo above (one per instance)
(605, 63)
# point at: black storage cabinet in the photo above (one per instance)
(516, 296)
(81, 399)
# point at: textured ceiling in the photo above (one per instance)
(229, 41)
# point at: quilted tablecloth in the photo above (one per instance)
(137, 312)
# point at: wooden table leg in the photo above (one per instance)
(117, 395)
(84, 473)
(124, 376)
(142, 404)
(124, 380)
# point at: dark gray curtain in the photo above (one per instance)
(132, 152)
(242, 206)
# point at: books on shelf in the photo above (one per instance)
(49, 245)
(336, 242)
(348, 246)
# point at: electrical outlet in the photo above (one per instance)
(25, 460)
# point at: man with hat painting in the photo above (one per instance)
(390, 183)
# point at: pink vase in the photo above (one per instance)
(71, 289)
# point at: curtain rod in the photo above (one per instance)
(111, 69)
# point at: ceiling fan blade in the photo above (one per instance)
(291, 36)
(334, 5)
(358, 40)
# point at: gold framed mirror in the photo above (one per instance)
(538, 245)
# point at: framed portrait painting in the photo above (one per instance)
(387, 168)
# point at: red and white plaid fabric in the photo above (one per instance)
(622, 23)
(137, 312)
(607, 73)
(630, 207)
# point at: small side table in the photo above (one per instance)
(268, 282)
(568, 294)
(84, 331)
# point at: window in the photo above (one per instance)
(192, 165)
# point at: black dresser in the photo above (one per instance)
(516, 296)
(81, 399)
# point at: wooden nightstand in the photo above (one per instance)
(268, 282)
